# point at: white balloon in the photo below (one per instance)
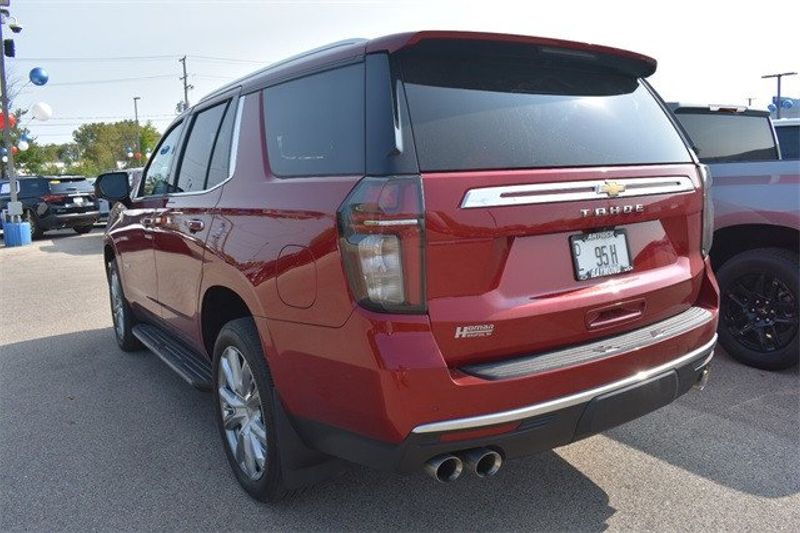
(23, 145)
(5, 159)
(42, 111)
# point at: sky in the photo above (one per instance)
(708, 52)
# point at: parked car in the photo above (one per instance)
(434, 250)
(757, 231)
(54, 202)
(788, 131)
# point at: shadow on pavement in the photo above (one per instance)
(97, 438)
(71, 243)
(741, 431)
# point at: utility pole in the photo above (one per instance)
(186, 85)
(778, 76)
(136, 117)
(12, 175)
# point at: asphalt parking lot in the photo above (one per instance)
(93, 438)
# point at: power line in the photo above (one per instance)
(141, 58)
(116, 80)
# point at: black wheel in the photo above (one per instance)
(121, 312)
(83, 229)
(244, 410)
(759, 308)
(36, 231)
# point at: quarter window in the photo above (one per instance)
(197, 154)
(157, 177)
(315, 124)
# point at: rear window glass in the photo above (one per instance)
(727, 138)
(499, 112)
(63, 186)
(789, 139)
(315, 124)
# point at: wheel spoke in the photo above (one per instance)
(232, 369)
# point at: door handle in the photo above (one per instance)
(195, 225)
(147, 222)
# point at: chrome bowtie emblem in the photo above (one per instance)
(611, 188)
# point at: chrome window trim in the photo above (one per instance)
(705, 351)
(237, 124)
(571, 191)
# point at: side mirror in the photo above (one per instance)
(113, 186)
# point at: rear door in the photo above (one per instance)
(183, 225)
(561, 202)
(133, 231)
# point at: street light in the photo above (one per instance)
(136, 117)
(778, 76)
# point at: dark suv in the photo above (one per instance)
(54, 203)
(434, 250)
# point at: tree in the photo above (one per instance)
(101, 144)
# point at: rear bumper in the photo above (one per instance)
(527, 429)
(68, 220)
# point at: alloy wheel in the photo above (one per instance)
(760, 312)
(242, 414)
(117, 305)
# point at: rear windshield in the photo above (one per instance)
(505, 112)
(789, 139)
(728, 138)
(66, 186)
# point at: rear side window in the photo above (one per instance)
(220, 159)
(789, 139)
(32, 187)
(499, 111)
(197, 154)
(728, 138)
(315, 124)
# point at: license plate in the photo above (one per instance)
(604, 253)
(77, 201)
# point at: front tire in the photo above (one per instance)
(245, 414)
(759, 308)
(121, 313)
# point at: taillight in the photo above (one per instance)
(52, 198)
(708, 211)
(381, 235)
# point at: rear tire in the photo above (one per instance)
(759, 308)
(121, 313)
(36, 231)
(244, 410)
(83, 229)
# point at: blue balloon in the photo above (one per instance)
(3, 151)
(38, 76)
(24, 137)
(771, 107)
(787, 104)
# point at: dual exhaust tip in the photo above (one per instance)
(483, 462)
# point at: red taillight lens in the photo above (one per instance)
(52, 198)
(381, 234)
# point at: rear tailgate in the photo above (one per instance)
(522, 148)
(511, 268)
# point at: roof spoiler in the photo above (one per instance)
(631, 63)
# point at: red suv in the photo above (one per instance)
(434, 250)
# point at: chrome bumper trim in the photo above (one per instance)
(706, 351)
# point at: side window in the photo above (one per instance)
(789, 139)
(220, 159)
(315, 124)
(197, 154)
(156, 179)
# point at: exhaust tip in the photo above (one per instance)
(483, 461)
(702, 380)
(444, 468)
